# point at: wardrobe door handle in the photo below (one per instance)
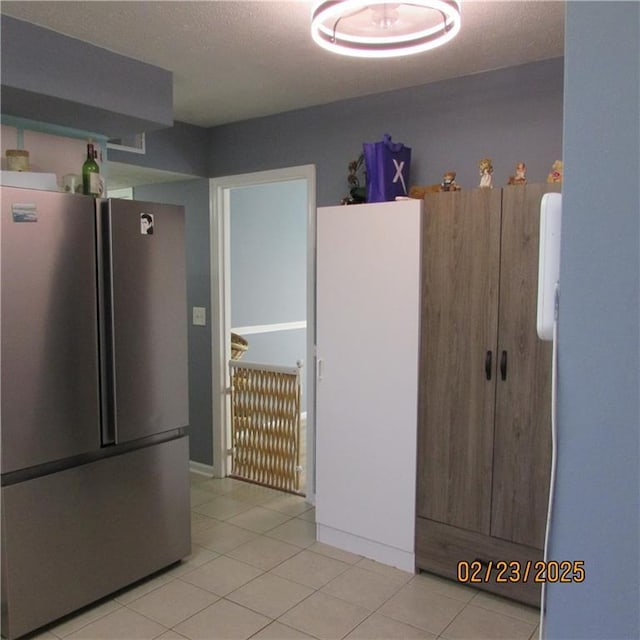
(503, 365)
(488, 361)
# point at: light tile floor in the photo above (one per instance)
(256, 571)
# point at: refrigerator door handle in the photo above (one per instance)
(108, 430)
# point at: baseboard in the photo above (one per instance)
(377, 551)
(201, 469)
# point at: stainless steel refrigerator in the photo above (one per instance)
(94, 400)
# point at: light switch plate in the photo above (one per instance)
(199, 316)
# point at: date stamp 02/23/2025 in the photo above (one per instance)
(503, 572)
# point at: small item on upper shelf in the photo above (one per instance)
(97, 156)
(72, 183)
(91, 183)
(449, 182)
(486, 169)
(521, 174)
(556, 172)
(17, 159)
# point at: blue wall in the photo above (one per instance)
(509, 115)
(183, 148)
(194, 195)
(597, 509)
(269, 270)
(268, 253)
(53, 78)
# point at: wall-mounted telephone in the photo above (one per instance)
(549, 262)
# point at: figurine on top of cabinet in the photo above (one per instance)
(486, 169)
(521, 174)
(556, 172)
(449, 182)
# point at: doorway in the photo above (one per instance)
(229, 194)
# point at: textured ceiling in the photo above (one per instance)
(238, 60)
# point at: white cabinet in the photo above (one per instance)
(368, 307)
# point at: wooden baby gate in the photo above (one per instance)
(265, 425)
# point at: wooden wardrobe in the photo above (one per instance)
(484, 425)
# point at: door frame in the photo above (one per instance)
(220, 268)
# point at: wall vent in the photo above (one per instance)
(133, 144)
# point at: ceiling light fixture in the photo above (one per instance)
(376, 29)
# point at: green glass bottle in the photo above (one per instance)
(91, 174)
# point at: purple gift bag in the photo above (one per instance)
(387, 165)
